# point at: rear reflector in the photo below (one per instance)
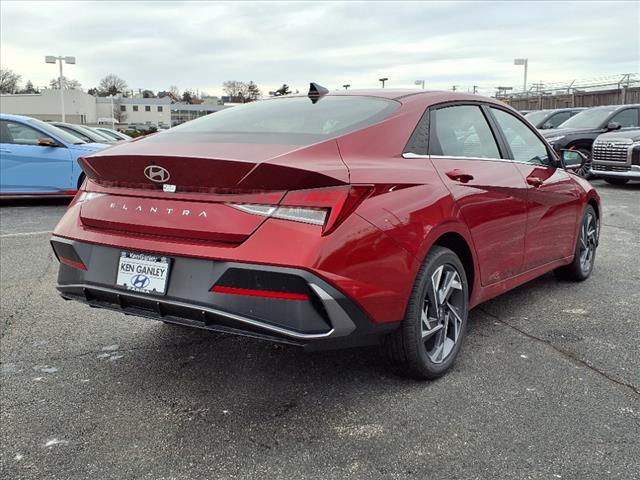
(73, 263)
(67, 255)
(259, 293)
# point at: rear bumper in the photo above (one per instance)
(326, 319)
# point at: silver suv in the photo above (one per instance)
(616, 156)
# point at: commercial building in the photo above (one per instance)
(85, 109)
(135, 111)
(79, 107)
(183, 112)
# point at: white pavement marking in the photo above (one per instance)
(24, 234)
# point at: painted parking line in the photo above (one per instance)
(25, 234)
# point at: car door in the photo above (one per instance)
(553, 196)
(26, 167)
(487, 188)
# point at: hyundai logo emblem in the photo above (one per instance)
(140, 281)
(156, 173)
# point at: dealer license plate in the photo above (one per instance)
(143, 273)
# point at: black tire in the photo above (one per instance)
(616, 181)
(414, 354)
(581, 267)
(585, 170)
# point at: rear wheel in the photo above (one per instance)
(582, 266)
(616, 181)
(429, 339)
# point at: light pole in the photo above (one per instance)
(383, 80)
(346, 86)
(113, 113)
(420, 82)
(70, 61)
(525, 62)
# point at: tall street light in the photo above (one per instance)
(383, 80)
(346, 86)
(70, 61)
(525, 62)
(420, 82)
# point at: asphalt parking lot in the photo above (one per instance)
(548, 384)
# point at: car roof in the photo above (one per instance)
(11, 116)
(418, 96)
(615, 107)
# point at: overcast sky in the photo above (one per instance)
(199, 45)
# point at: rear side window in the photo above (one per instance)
(627, 118)
(461, 131)
(19, 134)
(294, 120)
(525, 145)
(558, 119)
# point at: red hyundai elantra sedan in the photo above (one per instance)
(329, 220)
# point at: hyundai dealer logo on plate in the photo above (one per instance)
(143, 273)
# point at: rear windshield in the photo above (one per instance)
(293, 121)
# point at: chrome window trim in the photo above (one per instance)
(415, 156)
(410, 155)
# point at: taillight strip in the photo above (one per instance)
(259, 293)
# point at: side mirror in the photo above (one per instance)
(546, 126)
(613, 126)
(47, 142)
(572, 160)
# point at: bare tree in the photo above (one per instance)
(111, 85)
(118, 113)
(67, 83)
(175, 91)
(235, 89)
(9, 81)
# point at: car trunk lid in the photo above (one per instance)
(202, 179)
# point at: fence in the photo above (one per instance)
(534, 101)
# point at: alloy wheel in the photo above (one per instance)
(588, 241)
(441, 317)
(585, 170)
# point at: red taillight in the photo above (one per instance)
(322, 206)
(259, 293)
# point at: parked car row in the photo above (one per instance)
(40, 158)
(583, 126)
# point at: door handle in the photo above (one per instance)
(459, 175)
(535, 181)
(3, 150)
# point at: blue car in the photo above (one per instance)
(37, 158)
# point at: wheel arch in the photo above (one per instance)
(457, 239)
(581, 143)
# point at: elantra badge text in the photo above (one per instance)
(169, 211)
